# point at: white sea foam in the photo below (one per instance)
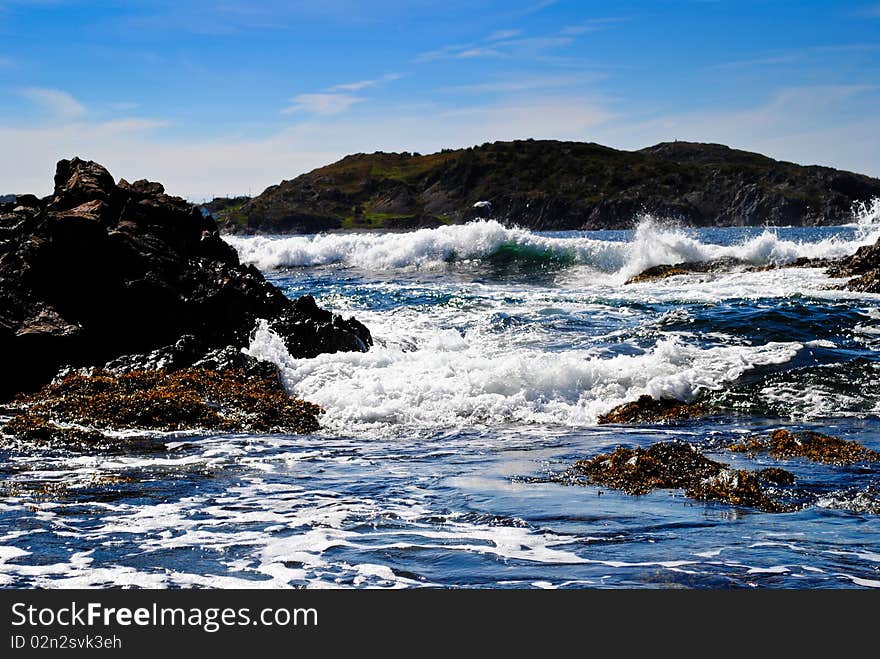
(425, 248)
(440, 379)
(654, 243)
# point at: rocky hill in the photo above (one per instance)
(547, 185)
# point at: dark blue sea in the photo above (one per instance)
(495, 351)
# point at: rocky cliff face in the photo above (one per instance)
(101, 271)
(546, 185)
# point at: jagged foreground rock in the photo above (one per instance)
(101, 270)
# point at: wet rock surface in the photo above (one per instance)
(720, 266)
(80, 408)
(814, 446)
(99, 271)
(652, 410)
(863, 267)
(657, 272)
(677, 465)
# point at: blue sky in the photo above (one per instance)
(217, 97)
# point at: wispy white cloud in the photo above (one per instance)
(500, 35)
(122, 126)
(54, 101)
(509, 84)
(471, 53)
(446, 52)
(322, 103)
(537, 43)
(539, 6)
(124, 106)
(591, 25)
(492, 46)
(796, 55)
(758, 61)
(338, 98)
(512, 43)
(364, 84)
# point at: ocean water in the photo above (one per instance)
(438, 462)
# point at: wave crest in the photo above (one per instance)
(487, 241)
(447, 380)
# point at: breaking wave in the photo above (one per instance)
(442, 380)
(487, 241)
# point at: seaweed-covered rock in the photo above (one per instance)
(648, 409)
(78, 407)
(676, 465)
(101, 270)
(738, 487)
(661, 466)
(811, 445)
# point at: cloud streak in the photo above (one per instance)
(513, 43)
(55, 101)
(525, 83)
(322, 104)
(365, 84)
(338, 98)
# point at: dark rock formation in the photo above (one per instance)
(863, 266)
(98, 270)
(75, 410)
(720, 266)
(548, 185)
(657, 272)
(676, 465)
(648, 409)
(784, 444)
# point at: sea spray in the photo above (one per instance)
(652, 243)
(867, 219)
(452, 381)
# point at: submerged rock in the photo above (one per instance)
(652, 410)
(814, 446)
(100, 270)
(676, 465)
(78, 408)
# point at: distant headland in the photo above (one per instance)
(551, 185)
